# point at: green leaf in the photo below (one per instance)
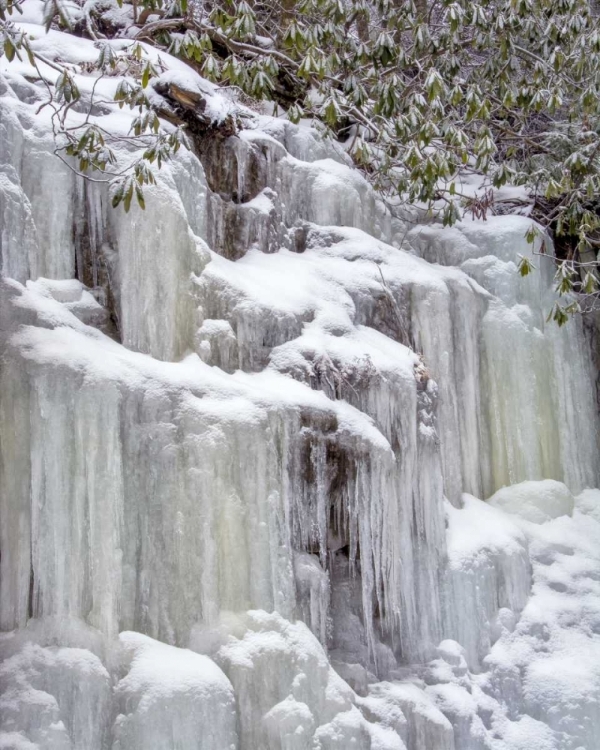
(29, 52)
(590, 283)
(525, 266)
(127, 198)
(531, 234)
(9, 49)
(140, 197)
(295, 113)
(146, 75)
(331, 112)
(117, 196)
(559, 315)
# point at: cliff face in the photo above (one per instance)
(241, 422)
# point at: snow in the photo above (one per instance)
(172, 697)
(52, 697)
(589, 503)
(56, 45)
(426, 725)
(535, 501)
(488, 570)
(555, 643)
(240, 434)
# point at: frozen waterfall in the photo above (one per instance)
(243, 434)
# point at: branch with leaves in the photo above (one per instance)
(421, 91)
(84, 146)
(576, 282)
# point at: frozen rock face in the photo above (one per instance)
(334, 490)
(228, 428)
(535, 377)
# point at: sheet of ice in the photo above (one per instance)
(536, 377)
(258, 513)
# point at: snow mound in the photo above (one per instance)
(488, 571)
(537, 502)
(174, 698)
(288, 695)
(52, 697)
(588, 503)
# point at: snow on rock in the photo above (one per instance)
(425, 726)
(535, 501)
(588, 503)
(203, 94)
(553, 652)
(174, 698)
(283, 682)
(288, 695)
(488, 570)
(53, 698)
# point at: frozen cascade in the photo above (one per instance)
(235, 434)
(529, 435)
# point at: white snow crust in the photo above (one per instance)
(535, 501)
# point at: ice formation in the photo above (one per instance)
(237, 431)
